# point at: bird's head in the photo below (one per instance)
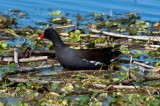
(47, 33)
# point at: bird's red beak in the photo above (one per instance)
(42, 36)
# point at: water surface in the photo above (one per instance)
(38, 9)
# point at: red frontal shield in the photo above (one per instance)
(42, 36)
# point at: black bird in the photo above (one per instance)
(79, 59)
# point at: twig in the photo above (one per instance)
(70, 72)
(78, 44)
(32, 80)
(144, 65)
(140, 68)
(33, 59)
(6, 38)
(25, 70)
(132, 75)
(5, 60)
(155, 70)
(147, 32)
(16, 61)
(16, 30)
(34, 52)
(43, 53)
(82, 92)
(128, 61)
(140, 46)
(144, 38)
(44, 62)
(145, 78)
(67, 26)
(111, 87)
(83, 35)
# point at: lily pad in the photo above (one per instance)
(132, 30)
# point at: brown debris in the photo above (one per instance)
(156, 25)
(156, 70)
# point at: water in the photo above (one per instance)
(38, 10)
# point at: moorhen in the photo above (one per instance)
(79, 59)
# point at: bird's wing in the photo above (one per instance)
(101, 55)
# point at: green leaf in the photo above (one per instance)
(79, 74)
(29, 83)
(78, 32)
(135, 103)
(132, 30)
(50, 101)
(63, 95)
(8, 84)
(140, 22)
(47, 26)
(43, 103)
(23, 94)
(20, 84)
(98, 15)
(113, 100)
(19, 104)
(107, 23)
(54, 86)
(115, 79)
(4, 85)
(124, 50)
(95, 93)
(12, 70)
(57, 13)
(12, 32)
(3, 70)
(105, 75)
(25, 104)
(11, 83)
(18, 89)
(134, 72)
(36, 94)
(50, 14)
(140, 80)
(104, 95)
(64, 103)
(78, 85)
(68, 88)
(147, 24)
(50, 46)
(123, 77)
(158, 49)
(11, 65)
(123, 72)
(84, 98)
(4, 45)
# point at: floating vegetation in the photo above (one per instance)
(7, 22)
(55, 13)
(3, 44)
(61, 21)
(31, 73)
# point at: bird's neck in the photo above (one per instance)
(57, 42)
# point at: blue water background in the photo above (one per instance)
(38, 10)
